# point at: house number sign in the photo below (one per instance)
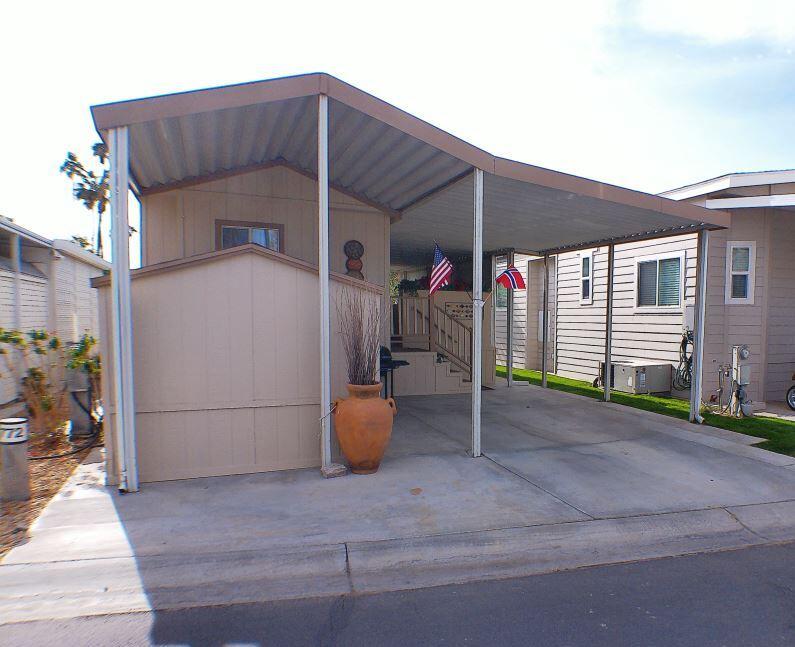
(13, 431)
(458, 310)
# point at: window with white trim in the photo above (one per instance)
(501, 296)
(658, 282)
(740, 271)
(586, 276)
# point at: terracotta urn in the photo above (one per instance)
(363, 422)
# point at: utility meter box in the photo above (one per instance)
(741, 364)
(640, 378)
(689, 319)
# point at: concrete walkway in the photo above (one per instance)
(565, 482)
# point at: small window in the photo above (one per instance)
(501, 296)
(740, 266)
(586, 277)
(231, 233)
(659, 282)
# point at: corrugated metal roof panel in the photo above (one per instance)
(366, 156)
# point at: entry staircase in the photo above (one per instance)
(419, 324)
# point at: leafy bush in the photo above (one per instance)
(38, 361)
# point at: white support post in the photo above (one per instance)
(477, 311)
(493, 309)
(608, 383)
(16, 265)
(698, 334)
(323, 280)
(545, 323)
(509, 259)
(122, 308)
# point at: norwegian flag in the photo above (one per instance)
(511, 279)
(441, 272)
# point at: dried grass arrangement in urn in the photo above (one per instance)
(362, 421)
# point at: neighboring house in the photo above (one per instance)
(44, 284)
(260, 203)
(750, 291)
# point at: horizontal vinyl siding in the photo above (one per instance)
(34, 315)
(7, 390)
(653, 337)
(535, 303)
(781, 307)
(34, 292)
(729, 325)
(520, 322)
(76, 300)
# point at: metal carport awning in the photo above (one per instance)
(434, 185)
(527, 218)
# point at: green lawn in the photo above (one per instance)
(779, 434)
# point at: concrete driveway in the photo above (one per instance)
(565, 482)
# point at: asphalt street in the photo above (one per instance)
(743, 598)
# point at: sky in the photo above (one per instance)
(647, 94)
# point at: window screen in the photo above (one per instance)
(234, 235)
(740, 271)
(668, 289)
(501, 296)
(647, 283)
(659, 282)
(739, 286)
(586, 277)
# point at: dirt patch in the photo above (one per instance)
(46, 478)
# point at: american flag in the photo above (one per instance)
(442, 270)
(511, 279)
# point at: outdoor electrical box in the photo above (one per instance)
(689, 319)
(632, 377)
(741, 365)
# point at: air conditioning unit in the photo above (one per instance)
(640, 377)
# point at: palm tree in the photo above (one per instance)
(88, 187)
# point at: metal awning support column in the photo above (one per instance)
(509, 327)
(123, 388)
(323, 280)
(477, 313)
(608, 382)
(545, 323)
(698, 333)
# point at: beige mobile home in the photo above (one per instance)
(260, 202)
(750, 292)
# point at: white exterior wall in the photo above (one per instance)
(519, 318)
(534, 269)
(7, 390)
(34, 293)
(528, 304)
(76, 300)
(654, 335)
(75, 305)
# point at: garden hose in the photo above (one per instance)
(92, 440)
(683, 376)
